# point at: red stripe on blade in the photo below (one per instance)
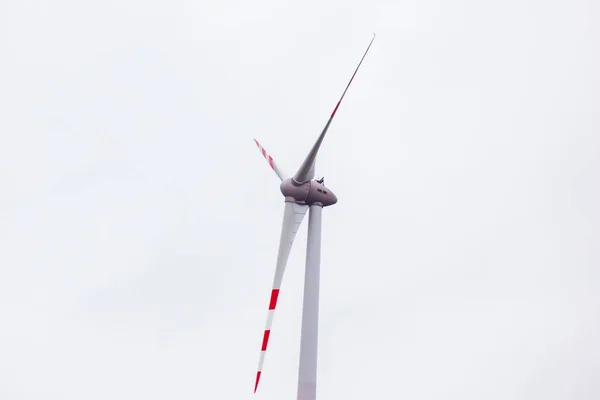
(335, 109)
(273, 302)
(265, 340)
(257, 379)
(271, 162)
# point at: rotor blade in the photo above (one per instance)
(307, 170)
(270, 160)
(292, 218)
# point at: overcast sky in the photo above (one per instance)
(139, 224)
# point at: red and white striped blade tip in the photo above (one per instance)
(266, 334)
(269, 159)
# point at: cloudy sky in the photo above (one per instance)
(139, 224)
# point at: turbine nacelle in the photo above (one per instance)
(308, 193)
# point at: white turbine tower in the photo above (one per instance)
(303, 194)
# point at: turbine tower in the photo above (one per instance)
(302, 194)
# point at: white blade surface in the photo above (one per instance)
(307, 373)
(292, 219)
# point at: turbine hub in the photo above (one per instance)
(310, 192)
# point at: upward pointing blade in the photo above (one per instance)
(292, 218)
(307, 170)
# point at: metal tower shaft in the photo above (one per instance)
(307, 373)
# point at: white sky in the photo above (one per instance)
(139, 224)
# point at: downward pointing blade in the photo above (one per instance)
(292, 219)
(307, 170)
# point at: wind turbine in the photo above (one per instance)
(302, 194)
